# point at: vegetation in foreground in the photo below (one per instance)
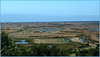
(41, 50)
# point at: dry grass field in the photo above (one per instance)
(52, 41)
(75, 40)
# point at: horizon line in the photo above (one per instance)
(50, 21)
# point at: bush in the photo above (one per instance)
(40, 50)
(89, 52)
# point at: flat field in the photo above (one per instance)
(57, 33)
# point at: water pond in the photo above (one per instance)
(50, 45)
(17, 28)
(68, 40)
(42, 30)
(94, 30)
(45, 29)
(81, 40)
(86, 39)
(22, 42)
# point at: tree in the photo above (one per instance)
(4, 40)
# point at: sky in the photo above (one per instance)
(42, 11)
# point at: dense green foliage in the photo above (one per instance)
(4, 40)
(35, 51)
(88, 52)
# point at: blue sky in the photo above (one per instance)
(34, 11)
